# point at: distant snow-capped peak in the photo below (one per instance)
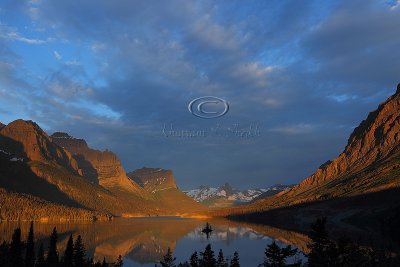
(203, 193)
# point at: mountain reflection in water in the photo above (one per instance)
(145, 241)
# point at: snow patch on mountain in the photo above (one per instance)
(204, 193)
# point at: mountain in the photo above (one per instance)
(25, 139)
(60, 177)
(100, 167)
(161, 185)
(32, 165)
(153, 179)
(364, 177)
(226, 196)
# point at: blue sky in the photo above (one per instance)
(117, 72)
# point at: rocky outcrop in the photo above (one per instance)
(101, 167)
(66, 171)
(368, 164)
(153, 179)
(1, 125)
(374, 140)
(26, 140)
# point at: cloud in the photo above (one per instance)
(73, 62)
(57, 55)
(15, 36)
(301, 128)
(342, 97)
(357, 44)
(296, 68)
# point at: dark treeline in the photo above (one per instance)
(203, 259)
(19, 253)
(323, 253)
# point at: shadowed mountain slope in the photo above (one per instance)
(161, 184)
(64, 172)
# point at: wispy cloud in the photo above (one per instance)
(342, 97)
(301, 128)
(11, 34)
(57, 55)
(15, 36)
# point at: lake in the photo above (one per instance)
(143, 241)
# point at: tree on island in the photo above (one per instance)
(207, 230)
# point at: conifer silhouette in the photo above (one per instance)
(52, 255)
(16, 249)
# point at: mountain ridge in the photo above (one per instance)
(227, 196)
(153, 179)
(61, 171)
(369, 163)
(102, 167)
(160, 183)
(34, 145)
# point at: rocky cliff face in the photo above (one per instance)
(375, 139)
(153, 179)
(26, 140)
(101, 167)
(369, 162)
(65, 170)
(1, 125)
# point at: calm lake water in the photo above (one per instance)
(143, 242)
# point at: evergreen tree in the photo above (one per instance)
(235, 260)
(208, 258)
(104, 263)
(79, 252)
(119, 262)
(322, 251)
(221, 262)
(52, 255)
(40, 258)
(168, 259)
(16, 249)
(194, 260)
(276, 256)
(4, 253)
(30, 248)
(350, 254)
(69, 253)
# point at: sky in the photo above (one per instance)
(298, 76)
